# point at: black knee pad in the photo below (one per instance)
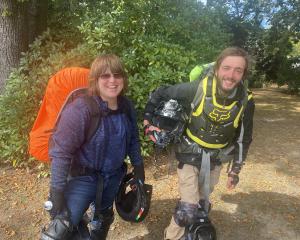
(185, 213)
(59, 228)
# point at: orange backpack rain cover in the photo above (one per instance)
(58, 89)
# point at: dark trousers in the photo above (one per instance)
(81, 192)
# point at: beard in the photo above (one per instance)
(226, 86)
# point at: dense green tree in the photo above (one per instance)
(276, 45)
(243, 18)
(186, 23)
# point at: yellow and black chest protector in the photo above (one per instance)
(211, 124)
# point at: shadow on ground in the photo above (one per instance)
(256, 215)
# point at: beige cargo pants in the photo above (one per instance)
(190, 192)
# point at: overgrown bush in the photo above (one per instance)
(160, 41)
(24, 90)
(289, 74)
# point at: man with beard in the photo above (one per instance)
(219, 130)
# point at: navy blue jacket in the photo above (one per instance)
(115, 139)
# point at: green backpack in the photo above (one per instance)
(201, 70)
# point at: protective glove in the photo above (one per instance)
(232, 180)
(139, 172)
(236, 168)
(233, 175)
(58, 202)
(149, 131)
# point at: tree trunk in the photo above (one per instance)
(42, 16)
(13, 36)
(31, 20)
(37, 18)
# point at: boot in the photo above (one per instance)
(81, 232)
(100, 231)
(202, 204)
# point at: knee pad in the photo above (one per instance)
(58, 228)
(185, 213)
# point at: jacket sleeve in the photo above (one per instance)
(183, 92)
(134, 151)
(66, 140)
(244, 136)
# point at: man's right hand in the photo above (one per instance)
(150, 129)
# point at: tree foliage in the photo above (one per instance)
(277, 45)
(267, 30)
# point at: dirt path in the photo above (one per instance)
(264, 206)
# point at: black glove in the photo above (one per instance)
(139, 172)
(235, 178)
(58, 201)
(236, 168)
(149, 132)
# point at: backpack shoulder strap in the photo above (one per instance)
(200, 92)
(126, 107)
(70, 98)
(198, 96)
(208, 72)
(93, 109)
(96, 114)
(95, 117)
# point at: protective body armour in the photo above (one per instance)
(213, 125)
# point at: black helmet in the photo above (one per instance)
(133, 199)
(171, 118)
(201, 231)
